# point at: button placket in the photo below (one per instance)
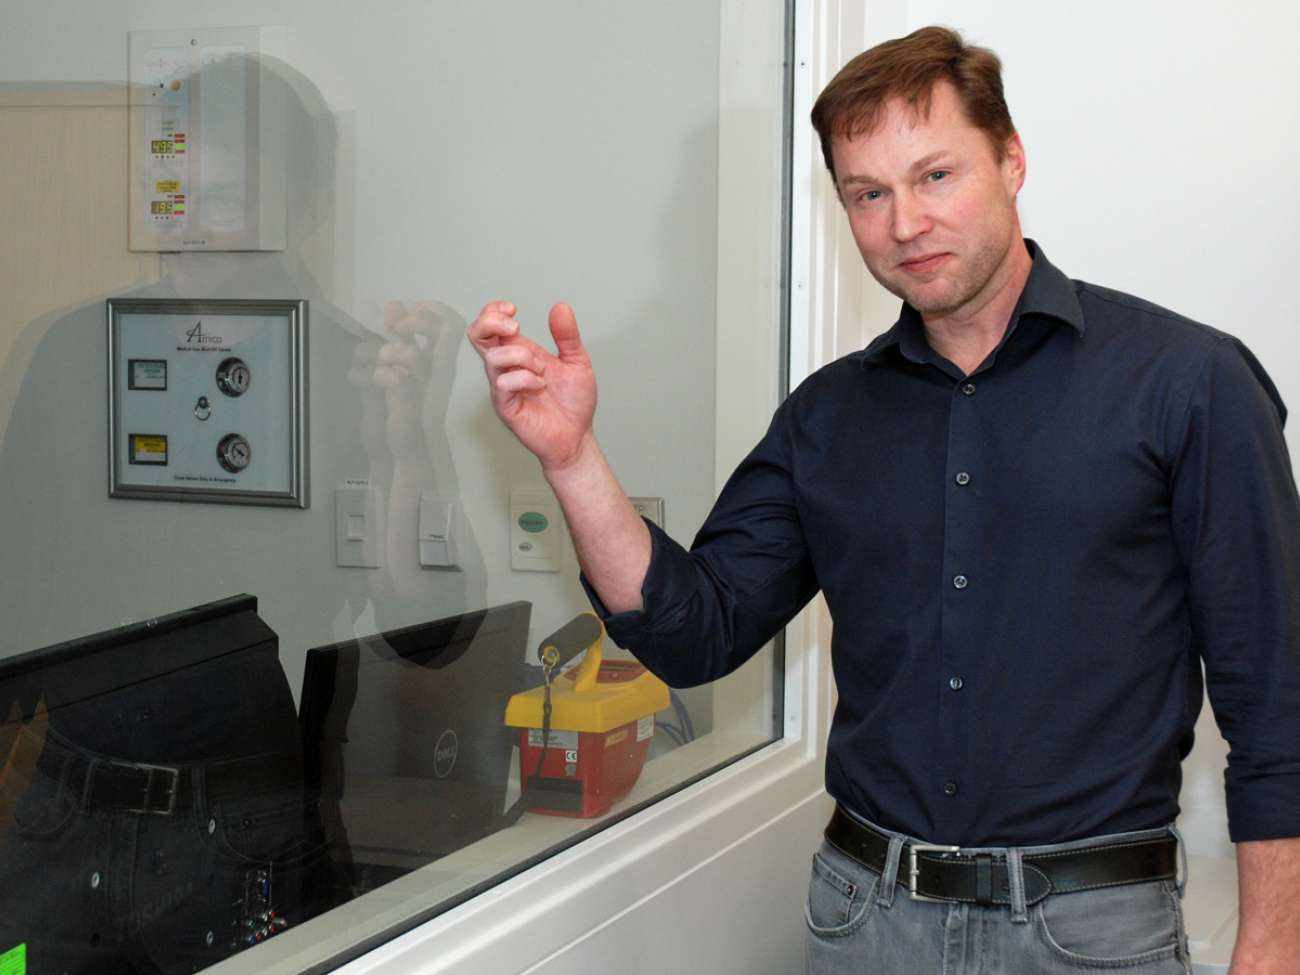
(962, 533)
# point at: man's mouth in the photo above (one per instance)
(924, 263)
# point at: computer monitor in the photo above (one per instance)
(403, 735)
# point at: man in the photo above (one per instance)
(1035, 506)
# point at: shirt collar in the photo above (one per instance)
(1047, 292)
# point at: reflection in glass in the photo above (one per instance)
(159, 790)
(153, 815)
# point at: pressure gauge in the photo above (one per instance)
(233, 377)
(234, 453)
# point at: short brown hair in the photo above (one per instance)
(908, 68)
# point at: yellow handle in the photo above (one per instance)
(585, 679)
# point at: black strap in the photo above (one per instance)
(163, 789)
(984, 878)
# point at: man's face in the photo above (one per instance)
(931, 208)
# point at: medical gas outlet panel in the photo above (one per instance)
(206, 401)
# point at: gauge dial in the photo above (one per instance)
(233, 377)
(234, 453)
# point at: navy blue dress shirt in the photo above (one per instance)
(1027, 568)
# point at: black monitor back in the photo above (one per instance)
(403, 733)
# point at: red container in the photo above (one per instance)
(584, 772)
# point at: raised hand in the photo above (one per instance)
(547, 400)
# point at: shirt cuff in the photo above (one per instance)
(668, 579)
(1263, 807)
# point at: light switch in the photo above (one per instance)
(440, 530)
(652, 508)
(359, 528)
(536, 530)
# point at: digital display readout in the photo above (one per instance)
(161, 207)
(161, 146)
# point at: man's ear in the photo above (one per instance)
(1013, 163)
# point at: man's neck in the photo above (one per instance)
(966, 336)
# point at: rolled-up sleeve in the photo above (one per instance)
(1236, 520)
(707, 611)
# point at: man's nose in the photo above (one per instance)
(909, 217)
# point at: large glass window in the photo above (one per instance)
(277, 583)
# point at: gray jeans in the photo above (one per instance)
(859, 923)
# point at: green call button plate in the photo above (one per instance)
(529, 521)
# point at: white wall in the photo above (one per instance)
(1159, 137)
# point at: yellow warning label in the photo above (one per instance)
(616, 737)
(148, 448)
(150, 445)
(169, 186)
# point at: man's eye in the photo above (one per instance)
(937, 175)
(870, 195)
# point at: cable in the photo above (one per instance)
(684, 716)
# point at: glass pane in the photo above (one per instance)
(277, 579)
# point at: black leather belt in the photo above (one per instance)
(164, 789)
(943, 873)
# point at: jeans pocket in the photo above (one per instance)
(275, 828)
(44, 810)
(1113, 927)
(840, 895)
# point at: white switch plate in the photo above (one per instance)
(440, 530)
(536, 530)
(358, 526)
(652, 508)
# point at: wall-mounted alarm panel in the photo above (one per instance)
(207, 401)
(207, 146)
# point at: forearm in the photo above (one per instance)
(1268, 930)
(612, 542)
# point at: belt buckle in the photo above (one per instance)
(147, 806)
(914, 868)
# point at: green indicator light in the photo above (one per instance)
(14, 961)
(529, 521)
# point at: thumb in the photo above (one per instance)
(564, 330)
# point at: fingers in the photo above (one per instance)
(417, 319)
(521, 355)
(519, 380)
(564, 330)
(494, 325)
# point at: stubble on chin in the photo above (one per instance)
(955, 288)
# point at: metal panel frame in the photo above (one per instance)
(294, 312)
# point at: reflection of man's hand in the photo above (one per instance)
(400, 366)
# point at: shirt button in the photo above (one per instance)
(960, 582)
(968, 389)
(956, 683)
(950, 788)
(962, 479)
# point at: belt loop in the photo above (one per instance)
(199, 791)
(1016, 879)
(88, 784)
(889, 875)
(1182, 859)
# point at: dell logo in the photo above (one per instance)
(444, 754)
